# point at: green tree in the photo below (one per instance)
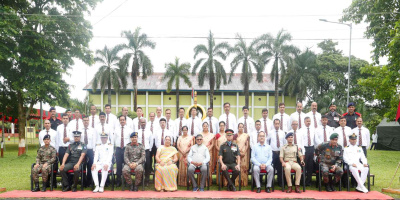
(248, 57)
(40, 39)
(210, 67)
(83, 106)
(112, 71)
(174, 73)
(141, 63)
(278, 49)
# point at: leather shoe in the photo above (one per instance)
(68, 188)
(44, 187)
(258, 190)
(268, 190)
(232, 188)
(328, 187)
(297, 189)
(289, 190)
(36, 187)
(74, 189)
(130, 187)
(333, 187)
(118, 183)
(135, 188)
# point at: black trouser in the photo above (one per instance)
(277, 166)
(61, 153)
(153, 155)
(119, 157)
(88, 166)
(147, 166)
(364, 148)
(235, 173)
(309, 161)
(373, 145)
(64, 174)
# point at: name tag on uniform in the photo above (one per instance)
(233, 148)
(337, 153)
(358, 151)
(79, 147)
(336, 119)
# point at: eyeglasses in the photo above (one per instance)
(199, 139)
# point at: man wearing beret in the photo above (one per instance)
(229, 157)
(288, 157)
(134, 157)
(352, 156)
(331, 156)
(76, 153)
(351, 116)
(46, 156)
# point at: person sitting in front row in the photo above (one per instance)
(102, 161)
(261, 157)
(198, 157)
(229, 157)
(166, 169)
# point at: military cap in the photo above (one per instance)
(288, 135)
(77, 133)
(51, 109)
(333, 136)
(229, 132)
(134, 134)
(353, 137)
(46, 137)
(351, 104)
(104, 135)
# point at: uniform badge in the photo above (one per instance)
(234, 149)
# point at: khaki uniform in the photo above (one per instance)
(330, 155)
(134, 154)
(289, 153)
(44, 155)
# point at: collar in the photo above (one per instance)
(259, 144)
(137, 144)
(229, 143)
(77, 142)
(199, 145)
(332, 145)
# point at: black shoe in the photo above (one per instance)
(74, 189)
(146, 184)
(118, 183)
(333, 187)
(67, 189)
(44, 187)
(233, 188)
(268, 190)
(328, 187)
(135, 188)
(258, 190)
(36, 189)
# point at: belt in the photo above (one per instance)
(292, 161)
(276, 152)
(309, 147)
(63, 147)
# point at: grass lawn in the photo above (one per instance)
(15, 171)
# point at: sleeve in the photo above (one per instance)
(94, 139)
(96, 155)
(339, 159)
(38, 157)
(363, 158)
(220, 151)
(281, 154)
(53, 157)
(189, 157)
(318, 149)
(205, 161)
(238, 151)
(126, 156)
(40, 138)
(143, 155)
(269, 161)
(346, 157)
(84, 149)
(253, 158)
(151, 138)
(68, 150)
(110, 155)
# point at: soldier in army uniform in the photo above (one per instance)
(134, 157)
(76, 153)
(46, 156)
(102, 161)
(331, 157)
(229, 157)
(288, 156)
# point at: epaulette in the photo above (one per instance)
(98, 144)
(359, 114)
(110, 144)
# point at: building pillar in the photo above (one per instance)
(222, 103)
(268, 103)
(102, 98)
(147, 104)
(207, 100)
(116, 103)
(237, 105)
(162, 102)
(252, 104)
(131, 100)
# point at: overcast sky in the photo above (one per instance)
(184, 18)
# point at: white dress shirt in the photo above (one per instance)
(197, 126)
(108, 130)
(112, 120)
(304, 134)
(214, 122)
(170, 125)
(295, 117)
(299, 139)
(273, 140)
(269, 124)
(319, 134)
(250, 124)
(353, 154)
(317, 119)
(374, 138)
(364, 134)
(148, 138)
(96, 121)
(92, 137)
(72, 125)
(158, 136)
(155, 125)
(53, 137)
(287, 124)
(103, 154)
(348, 132)
(254, 138)
(178, 124)
(136, 123)
(157, 119)
(117, 135)
(129, 122)
(232, 122)
(60, 136)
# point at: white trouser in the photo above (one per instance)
(356, 175)
(104, 174)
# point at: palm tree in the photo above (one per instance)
(211, 68)
(249, 58)
(280, 50)
(301, 75)
(112, 72)
(141, 63)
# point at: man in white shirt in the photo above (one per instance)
(247, 121)
(48, 131)
(194, 123)
(228, 118)
(352, 156)
(121, 139)
(159, 114)
(129, 121)
(363, 135)
(153, 126)
(374, 140)
(297, 136)
(160, 134)
(314, 116)
(212, 121)
(103, 127)
(76, 124)
(145, 137)
(64, 137)
(136, 122)
(266, 123)
(323, 133)
(283, 118)
(298, 115)
(93, 118)
(180, 122)
(344, 132)
(308, 135)
(170, 124)
(88, 138)
(111, 119)
(276, 139)
(254, 135)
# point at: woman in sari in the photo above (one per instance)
(220, 139)
(208, 141)
(242, 140)
(185, 141)
(166, 170)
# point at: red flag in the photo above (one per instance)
(398, 112)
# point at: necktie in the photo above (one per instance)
(299, 120)
(77, 124)
(65, 131)
(211, 130)
(47, 132)
(86, 138)
(102, 128)
(180, 127)
(138, 123)
(265, 127)
(245, 125)
(162, 137)
(278, 144)
(281, 126)
(295, 138)
(315, 122)
(309, 137)
(344, 138)
(151, 127)
(143, 136)
(192, 129)
(227, 122)
(107, 118)
(92, 121)
(359, 135)
(325, 139)
(122, 137)
(168, 124)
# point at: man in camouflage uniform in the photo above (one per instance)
(134, 157)
(331, 157)
(46, 156)
(76, 153)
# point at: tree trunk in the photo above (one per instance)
(177, 102)
(246, 92)
(21, 125)
(276, 85)
(212, 86)
(109, 91)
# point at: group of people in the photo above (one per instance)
(174, 149)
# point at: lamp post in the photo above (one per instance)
(348, 80)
